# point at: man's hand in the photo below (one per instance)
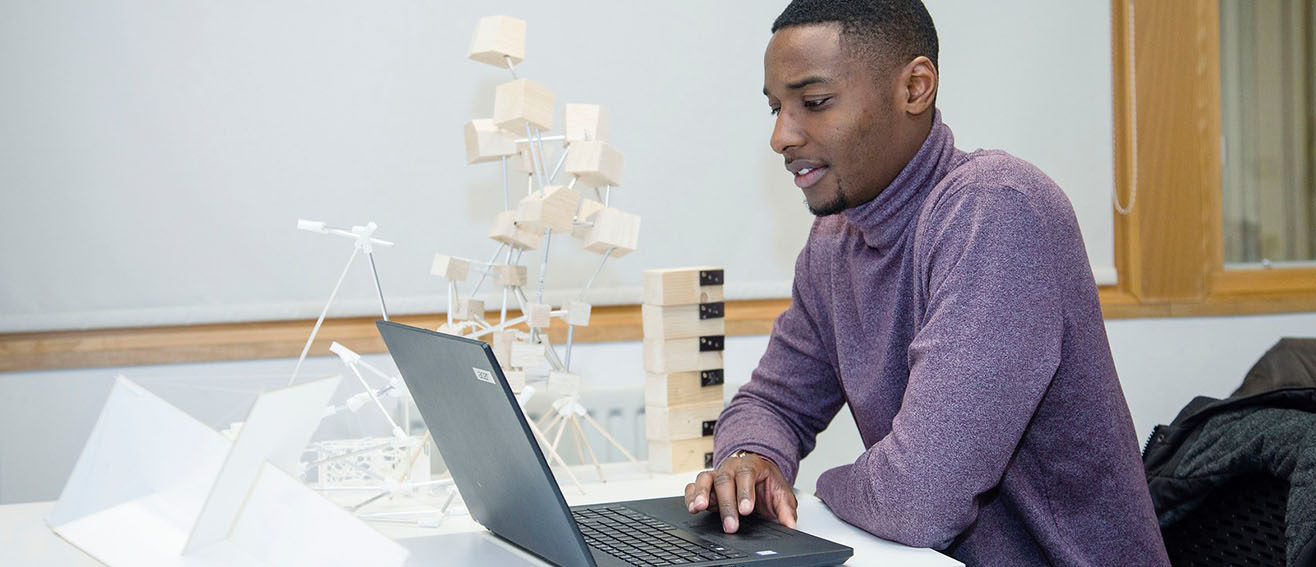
(741, 486)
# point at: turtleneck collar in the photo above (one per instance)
(883, 219)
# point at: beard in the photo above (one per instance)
(833, 205)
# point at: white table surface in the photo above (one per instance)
(25, 540)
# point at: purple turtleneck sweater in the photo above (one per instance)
(957, 314)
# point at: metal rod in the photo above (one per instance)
(607, 195)
(489, 267)
(543, 156)
(571, 330)
(557, 168)
(543, 265)
(590, 282)
(553, 138)
(320, 321)
(535, 159)
(511, 67)
(378, 290)
(507, 201)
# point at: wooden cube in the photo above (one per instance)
(585, 123)
(515, 380)
(578, 313)
(506, 230)
(588, 208)
(468, 309)
(522, 102)
(564, 383)
(538, 315)
(486, 142)
(522, 160)
(683, 388)
(595, 163)
(683, 321)
(496, 38)
(554, 210)
(613, 229)
(681, 422)
(451, 268)
(681, 286)
(687, 455)
(502, 347)
(527, 355)
(683, 355)
(509, 275)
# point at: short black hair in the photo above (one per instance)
(892, 31)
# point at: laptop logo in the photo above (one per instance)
(483, 375)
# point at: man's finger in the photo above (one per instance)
(786, 510)
(690, 498)
(745, 487)
(703, 482)
(725, 487)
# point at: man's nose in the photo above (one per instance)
(785, 133)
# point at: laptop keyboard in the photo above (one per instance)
(640, 539)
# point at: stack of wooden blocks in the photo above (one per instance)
(684, 335)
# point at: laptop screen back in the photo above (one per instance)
(485, 441)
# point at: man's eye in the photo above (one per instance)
(816, 102)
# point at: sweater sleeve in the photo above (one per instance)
(982, 357)
(792, 394)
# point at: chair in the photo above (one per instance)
(1241, 523)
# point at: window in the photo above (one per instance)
(1268, 131)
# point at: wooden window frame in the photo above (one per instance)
(1168, 250)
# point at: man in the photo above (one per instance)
(946, 296)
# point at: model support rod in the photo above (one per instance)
(320, 320)
(379, 291)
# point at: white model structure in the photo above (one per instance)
(154, 487)
(515, 137)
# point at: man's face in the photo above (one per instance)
(836, 118)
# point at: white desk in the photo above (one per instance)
(26, 541)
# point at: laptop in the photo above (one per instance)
(508, 487)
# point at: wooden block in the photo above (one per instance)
(683, 321)
(486, 142)
(588, 208)
(683, 388)
(515, 380)
(564, 383)
(451, 268)
(498, 37)
(585, 123)
(522, 102)
(681, 422)
(509, 275)
(468, 309)
(554, 210)
(613, 229)
(526, 354)
(682, 286)
(683, 355)
(506, 230)
(538, 315)
(595, 163)
(522, 161)
(687, 455)
(502, 347)
(578, 313)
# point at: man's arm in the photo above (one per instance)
(791, 396)
(986, 351)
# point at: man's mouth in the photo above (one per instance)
(808, 176)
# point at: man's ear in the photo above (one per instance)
(920, 81)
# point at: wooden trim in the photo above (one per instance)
(285, 339)
(1171, 125)
(1264, 282)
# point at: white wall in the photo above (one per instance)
(156, 155)
(45, 417)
